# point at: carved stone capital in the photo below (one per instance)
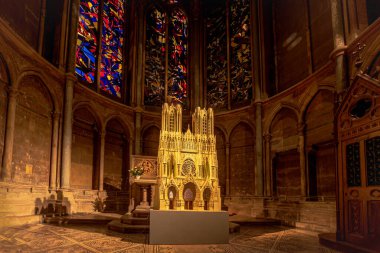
(267, 137)
(301, 128)
(13, 92)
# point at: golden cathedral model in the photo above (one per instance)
(187, 175)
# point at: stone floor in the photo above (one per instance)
(79, 238)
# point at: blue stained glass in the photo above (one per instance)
(111, 72)
(177, 82)
(87, 41)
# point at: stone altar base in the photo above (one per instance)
(188, 227)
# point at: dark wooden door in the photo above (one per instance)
(361, 196)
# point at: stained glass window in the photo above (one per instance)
(112, 47)
(87, 41)
(241, 73)
(155, 51)
(217, 88)
(228, 53)
(166, 58)
(177, 83)
(112, 18)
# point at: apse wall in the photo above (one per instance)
(276, 151)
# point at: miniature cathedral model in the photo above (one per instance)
(187, 162)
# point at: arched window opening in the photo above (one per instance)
(228, 53)
(166, 62)
(99, 54)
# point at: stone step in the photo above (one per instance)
(117, 226)
(141, 213)
(79, 219)
(252, 221)
(128, 219)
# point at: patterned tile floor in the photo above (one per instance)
(77, 238)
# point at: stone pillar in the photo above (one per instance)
(101, 159)
(54, 151)
(42, 27)
(6, 170)
(152, 196)
(301, 150)
(259, 180)
(339, 44)
(196, 45)
(268, 165)
(67, 131)
(227, 169)
(340, 75)
(138, 148)
(139, 27)
(64, 29)
(69, 95)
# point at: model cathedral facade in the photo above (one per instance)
(187, 175)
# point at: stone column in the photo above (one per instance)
(6, 170)
(64, 30)
(152, 196)
(301, 150)
(339, 44)
(67, 131)
(54, 151)
(268, 165)
(69, 95)
(340, 76)
(259, 180)
(227, 169)
(138, 148)
(196, 45)
(42, 27)
(101, 159)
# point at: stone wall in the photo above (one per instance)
(24, 18)
(32, 134)
(242, 161)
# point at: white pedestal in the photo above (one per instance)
(188, 227)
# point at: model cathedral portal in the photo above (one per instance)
(187, 162)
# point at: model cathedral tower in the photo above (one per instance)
(187, 162)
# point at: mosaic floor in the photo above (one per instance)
(75, 238)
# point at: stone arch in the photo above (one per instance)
(33, 132)
(207, 197)
(48, 91)
(319, 143)
(242, 160)
(125, 125)
(196, 197)
(221, 142)
(286, 171)
(85, 148)
(4, 84)
(173, 197)
(116, 156)
(150, 136)
(310, 96)
(9, 63)
(276, 110)
(85, 105)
